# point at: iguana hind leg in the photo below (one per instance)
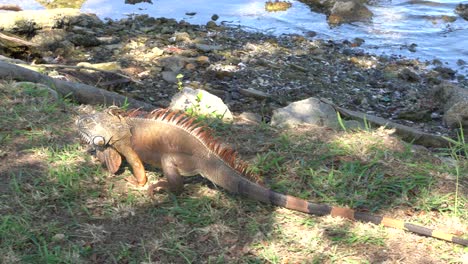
(174, 181)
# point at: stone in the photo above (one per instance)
(157, 51)
(85, 40)
(345, 11)
(409, 75)
(308, 111)
(169, 76)
(457, 115)
(182, 37)
(202, 60)
(211, 25)
(173, 63)
(462, 10)
(254, 93)
(200, 102)
(31, 20)
(207, 48)
(454, 102)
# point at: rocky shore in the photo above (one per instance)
(251, 72)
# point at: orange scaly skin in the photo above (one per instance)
(173, 142)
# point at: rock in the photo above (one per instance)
(109, 40)
(462, 10)
(445, 72)
(207, 48)
(211, 25)
(308, 111)
(51, 39)
(156, 52)
(182, 37)
(448, 94)
(254, 93)
(345, 11)
(457, 115)
(31, 20)
(84, 39)
(190, 66)
(202, 60)
(214, 17)
(454, 102)
(200, 102)
(173, 63)
(409, 75)
(169, 76)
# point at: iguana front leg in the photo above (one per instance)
(134, 160)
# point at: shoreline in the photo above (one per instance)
(226, 60)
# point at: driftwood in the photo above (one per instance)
(10, 7)
(406, 133)
(78, 92)
(61, 66)
(14, 39)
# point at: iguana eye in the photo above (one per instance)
(99, 141)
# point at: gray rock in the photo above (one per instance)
(454, 101)
(409, 75)
(169, 76)
(462, 10)
(345, 11)
(200, 102)
(211, 25)
(448, 94)
(173, 63)
(84, 39)
(457, 115)
(308, 111)
(206, 47)
(254, 93)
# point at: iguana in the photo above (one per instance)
(174, 142)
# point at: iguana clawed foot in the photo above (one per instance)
(158, 187)
(133, 181)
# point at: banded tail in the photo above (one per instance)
(266, 195)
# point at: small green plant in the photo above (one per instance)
(179, 78)
(341, 121)
(125, 104)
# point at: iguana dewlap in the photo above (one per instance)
(173, 142)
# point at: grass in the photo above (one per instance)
(57, 205)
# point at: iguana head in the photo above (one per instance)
(104, 128)
(102, 131)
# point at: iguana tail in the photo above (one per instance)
(257, 192)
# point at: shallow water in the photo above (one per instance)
(396, 24)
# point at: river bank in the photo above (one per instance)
(227, 61)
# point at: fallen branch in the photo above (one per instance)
(61, 66)
(407, 133)
(10, 7)
(81, 93)
(16, 40)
